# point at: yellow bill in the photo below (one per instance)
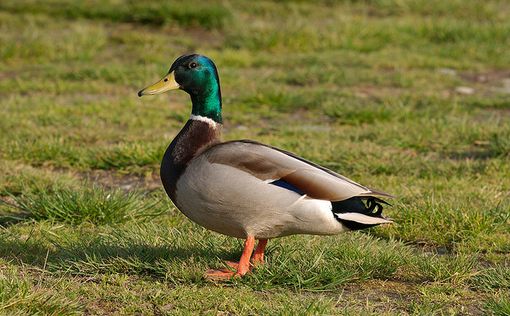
(165, 84)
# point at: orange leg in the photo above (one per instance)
(244, 262)
(242, 267)
(258, 256)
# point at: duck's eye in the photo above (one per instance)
(193, 65)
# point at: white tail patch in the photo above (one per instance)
(362, 219)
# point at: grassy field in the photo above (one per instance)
(412, 97)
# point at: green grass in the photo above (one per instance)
(499, 305)
(366, 88)
(93, 205)
(149, 12)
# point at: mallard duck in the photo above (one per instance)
(247, 189)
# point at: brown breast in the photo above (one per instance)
(193, 139)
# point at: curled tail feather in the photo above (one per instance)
(360, 212)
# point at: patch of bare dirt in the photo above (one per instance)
(486, 77)
(398, 297)
(489, 82)
(126, 182)
(8, 75)
(370, 91)
(382, 296)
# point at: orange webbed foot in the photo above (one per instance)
(219, 274)
(234, 265)
(244, 265)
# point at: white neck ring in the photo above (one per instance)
(203, 119)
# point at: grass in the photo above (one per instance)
(93, 205)
(150, 12)
(499, 305)
(367, 88)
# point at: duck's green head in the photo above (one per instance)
(198, 76)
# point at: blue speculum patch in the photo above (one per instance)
(284, 184)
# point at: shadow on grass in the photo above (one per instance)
(497, 146)
(195, 14)
(182, 263)
(13, 219)
(10, 214)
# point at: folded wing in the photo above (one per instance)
(272, 164)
